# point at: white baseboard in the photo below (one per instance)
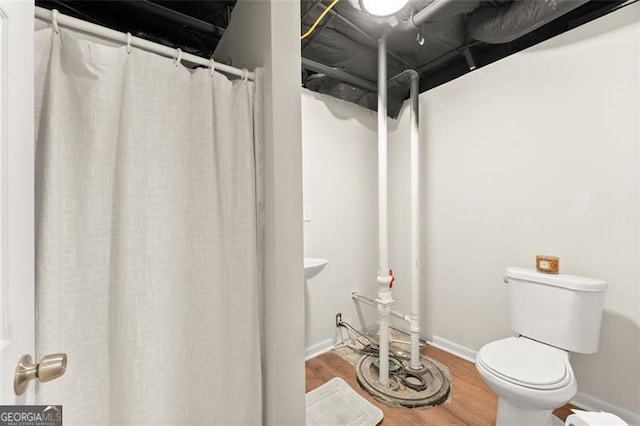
(581, 399)
(591, 403)
(318, 349)
(453, 348)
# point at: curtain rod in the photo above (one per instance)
(109, 34)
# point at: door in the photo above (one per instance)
(16, 193)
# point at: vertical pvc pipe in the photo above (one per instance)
(383, 233)
(415, 205)
(384, 292)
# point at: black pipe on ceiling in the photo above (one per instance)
(339, 75)
(176, 17)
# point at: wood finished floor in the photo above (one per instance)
(471, 401)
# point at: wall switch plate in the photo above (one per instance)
(306, 213)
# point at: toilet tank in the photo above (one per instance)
(564, 311)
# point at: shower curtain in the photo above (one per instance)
(147, 263)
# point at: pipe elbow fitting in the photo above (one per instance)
(407, 25)
(385, 35)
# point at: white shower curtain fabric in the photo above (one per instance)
(147, 265)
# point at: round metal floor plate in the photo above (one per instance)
(397, 394)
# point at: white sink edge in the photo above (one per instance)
(313, 266)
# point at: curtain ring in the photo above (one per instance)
(178, 57)
(128, 43)
(245, 75)
(54, 21)
(212, 67)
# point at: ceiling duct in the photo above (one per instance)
(503, 22)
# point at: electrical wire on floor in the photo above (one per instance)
(397, 368)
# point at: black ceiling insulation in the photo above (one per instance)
(346, 39)
(194, 26)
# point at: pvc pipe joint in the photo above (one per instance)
(384, 308)
(385, 281)
(414, 323)
(384, 298)
(386, 278)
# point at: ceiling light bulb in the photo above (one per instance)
(383, 8)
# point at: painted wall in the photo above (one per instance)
(266, 33)
(535, 154)
(339, 149)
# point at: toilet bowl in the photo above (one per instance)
(530, 378)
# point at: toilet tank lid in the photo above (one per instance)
(572, 282)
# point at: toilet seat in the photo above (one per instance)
(527, 363)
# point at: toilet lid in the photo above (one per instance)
(527, 363)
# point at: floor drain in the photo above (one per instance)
(398, 394)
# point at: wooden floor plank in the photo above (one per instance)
(471, 401)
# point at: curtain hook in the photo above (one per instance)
(245, 75)
(54, 21)
(178, 57)
(212, 67)
(128, 43)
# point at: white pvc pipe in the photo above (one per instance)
(384, 293)
(384, 349)
(109, 34)
(432, 11)
(415, 225)
(373, 304)
(383, 232)
(384, 300)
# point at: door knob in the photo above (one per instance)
(50, 367)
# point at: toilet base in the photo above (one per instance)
(509, 414)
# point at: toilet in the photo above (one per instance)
(553, 316)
